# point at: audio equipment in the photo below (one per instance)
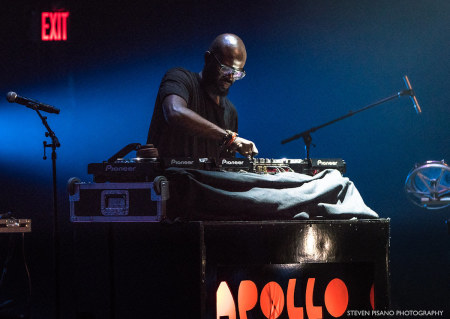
(12, 97)
(412, 95)
(12, 225)
(145, 170)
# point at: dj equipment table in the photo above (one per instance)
(209, 270)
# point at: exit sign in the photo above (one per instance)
(54, 26)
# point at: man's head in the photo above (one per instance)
(224, 63)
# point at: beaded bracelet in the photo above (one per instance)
(232, 139)
(228, 139)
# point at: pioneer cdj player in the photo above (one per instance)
(144, 170)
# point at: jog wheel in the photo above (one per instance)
(147, 152)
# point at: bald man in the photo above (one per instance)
(193, 116)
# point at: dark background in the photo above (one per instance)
(308, 62)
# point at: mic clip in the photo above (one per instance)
(405, 92)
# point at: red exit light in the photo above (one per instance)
(54, 26)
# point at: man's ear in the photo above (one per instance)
(206, 56)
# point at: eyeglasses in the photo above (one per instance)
(227, 70)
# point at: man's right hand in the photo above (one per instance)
(244, 147)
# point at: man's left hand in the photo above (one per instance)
(244, 147)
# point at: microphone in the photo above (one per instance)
(412, 95)
(12, 97)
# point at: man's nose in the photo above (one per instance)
(230, 76)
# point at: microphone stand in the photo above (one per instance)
(306, 135)
(56, 236)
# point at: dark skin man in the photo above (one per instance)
(224, 63)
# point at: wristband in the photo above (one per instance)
(232, 139)
(228, 139)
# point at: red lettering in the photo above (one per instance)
(336, 297)
(293, 312)
(312, 311)
(272, 300)
(58, 24)
(247, 297)
(64, 16)
(53, 26)
(44, 26)
(372, 296)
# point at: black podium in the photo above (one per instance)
(208, 270)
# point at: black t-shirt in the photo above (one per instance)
(173, 141)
